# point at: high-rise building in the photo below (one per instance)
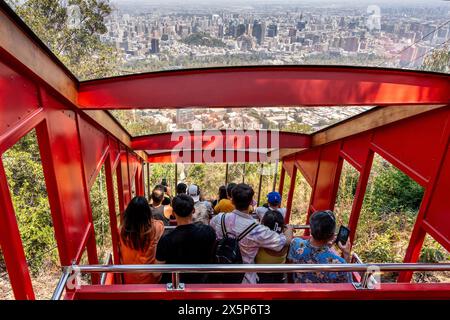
(240, 30)
(272, 30)
(221, 32)
(259, 31)
(155, 46)
(292, 32)
(301, 25)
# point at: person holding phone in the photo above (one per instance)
(318, 250)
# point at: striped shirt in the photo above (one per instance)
(260, 237)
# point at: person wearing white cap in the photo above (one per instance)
(203, 209)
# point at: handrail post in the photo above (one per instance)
(260, 183)
(104, 274)
(175, 285)
(175, 179)
(226, 174)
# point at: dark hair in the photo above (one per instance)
(242, 196)
(274, 220)
(222, 192)
(166, 201)
(230, 188)
(183, 205)
(157, 195)
(181, 188)
(161, 187)
(137, 224)
(322, 224)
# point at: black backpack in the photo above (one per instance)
(228, 252)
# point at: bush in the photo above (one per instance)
(392, 190)
(26, 181)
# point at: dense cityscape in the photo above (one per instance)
(154, 35)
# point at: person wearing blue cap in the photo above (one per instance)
(273, 203)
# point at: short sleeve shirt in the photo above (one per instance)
(203, 210)
(301, 251)
(187, 244)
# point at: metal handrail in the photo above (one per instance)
(296, 227)
(176, 269)
(265, 268)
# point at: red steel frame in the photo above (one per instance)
(74, 146)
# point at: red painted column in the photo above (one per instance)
(120, 188)
(418, 234)
(291, 195)
(112, 210)
(11, 244)
(413, 251)
(359, 195)
(91, 246)
(142, 180)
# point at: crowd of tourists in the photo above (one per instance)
(231, 229)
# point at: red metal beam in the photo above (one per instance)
(221, 139)
(265, 86)
(359, 195)
(291, 194)
(112, 210)
(421, 227)
(266, 292)
(11, 244)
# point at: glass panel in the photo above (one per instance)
(300, 201)
(291, 119)
(389, 211)
(6, 292)
(100, 213)
(346, 193)
(133, 36)
(432, 252)
(26, 182)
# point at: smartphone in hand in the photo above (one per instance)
(342, 235)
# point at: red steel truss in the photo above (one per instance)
(411, 131)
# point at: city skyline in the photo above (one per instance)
(169, 37)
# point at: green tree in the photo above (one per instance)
(25, 177)
(78, 45)
(203, 39)
(438, 60)
(297, 127)
(392, 190)
(86, 56)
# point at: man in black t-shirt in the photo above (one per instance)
(188, 243)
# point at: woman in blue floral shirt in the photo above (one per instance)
(317, 250)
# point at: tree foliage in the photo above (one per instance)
(392, 191)
(86, 56)
(78, 45)
(203, 39)
(438, 60)
(25, 177)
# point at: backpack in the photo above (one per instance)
(228, 252)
